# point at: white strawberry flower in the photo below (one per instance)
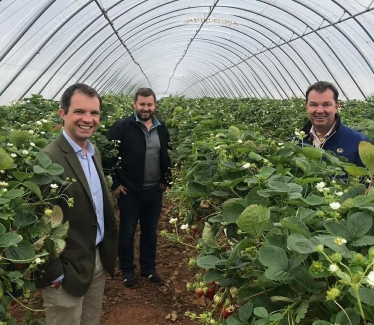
(183, 227)
(25, 152)
(38, 123)
(173, 220)
(333, 268)
(335, 205)
(340, 241)
(339, 193)
(54, 186)
(370, 278)
(246, 165)
(240, 141)
(320, 186)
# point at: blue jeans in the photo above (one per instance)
(143, 206)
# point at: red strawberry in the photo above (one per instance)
(226, 312)
(194, 228)
(199, 292)
(19, 266)
(210, 293)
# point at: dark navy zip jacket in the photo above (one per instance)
(343, 141)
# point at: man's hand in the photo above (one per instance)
(120, 189)
(163, 187)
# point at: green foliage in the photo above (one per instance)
(290, 248)
(289, 228)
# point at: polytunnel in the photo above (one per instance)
(195, 48)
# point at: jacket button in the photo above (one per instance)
(94, 227)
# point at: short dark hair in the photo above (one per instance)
(81, 88)
(144, 92)
(321, 87)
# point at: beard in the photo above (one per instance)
(144, 116)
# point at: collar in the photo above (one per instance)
(90, 148)
(155, 121)
(314, 134)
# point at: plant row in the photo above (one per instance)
(287, 231)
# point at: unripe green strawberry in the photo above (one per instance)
(192, 262)
(217, 299)
(48, 212)
(333, 293)
(371, 252)
(319, 248)
(356, 278)
(233, 291)
(317, 266)
(358, 257)
(189, 286)
(336, 257)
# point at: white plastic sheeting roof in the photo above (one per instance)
(229, 48)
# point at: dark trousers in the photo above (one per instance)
(144, 206)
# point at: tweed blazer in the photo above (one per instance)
(77, 260)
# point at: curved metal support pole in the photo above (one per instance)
(190, 42)
(25, 29)
(121, 40)
(59, 55)
(326, 43)
(27, 62)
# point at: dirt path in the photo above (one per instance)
(149, 304)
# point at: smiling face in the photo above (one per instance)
(145, 107)
(82, 119)
(321, 109)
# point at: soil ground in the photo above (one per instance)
(148, 304)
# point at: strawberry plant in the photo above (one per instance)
(283, 234)
(288, 233)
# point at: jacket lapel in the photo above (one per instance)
(72, 159)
